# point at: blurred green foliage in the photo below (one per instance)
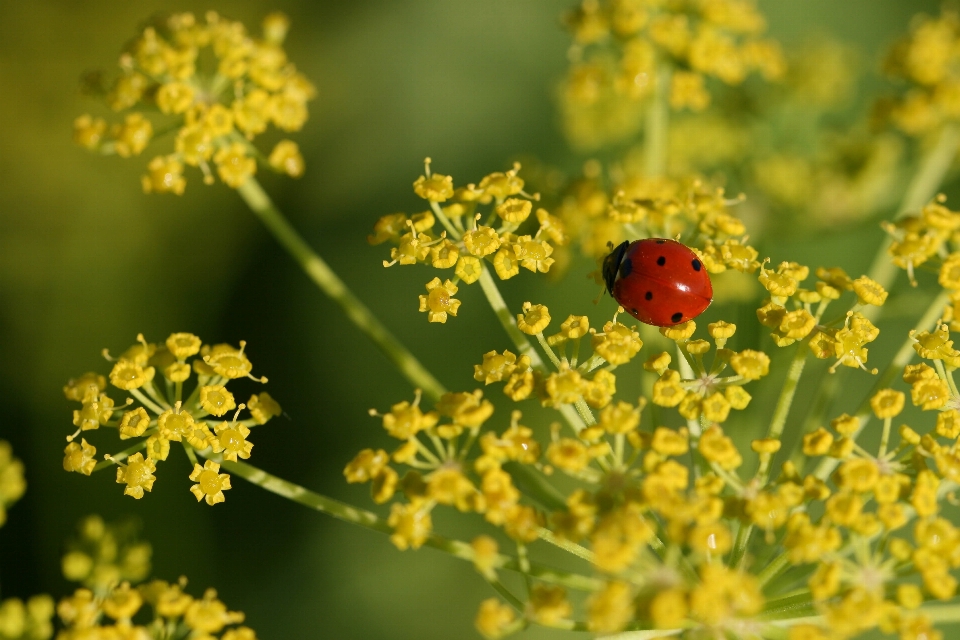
(87, 261)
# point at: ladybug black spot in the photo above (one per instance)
(677, 317)
(648, 295)
(660, 241)
(696, 265)
(662, 260)
(633, 311)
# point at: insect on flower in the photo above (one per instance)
(658, 281)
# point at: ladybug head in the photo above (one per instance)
(611, 265)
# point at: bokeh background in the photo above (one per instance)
(87, 261)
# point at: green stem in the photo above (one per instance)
(740, 544)
(123, 455)
(370, 520)
(773, 569)
(644, 634)
(655, 126)
(784, 402)
(942, 612)
(921, 190)
(534, 485)
(328, 282)
(566, 545)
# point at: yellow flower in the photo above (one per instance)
(262, 407)
(137, 474)
(127, 374)
(568, 454)
(434, 187)
(619, 418)
(234, 166)
(439, 302)
(514, 210)
(717, 447)
(469, 269)
(618, 343)
(887, 403)
(134, 423)
(465, 409)
(286, 158)
(208, 615)
(481, 241)
(750, 364)
(80, 457)
(216, 400)
(869, 291)
(133, 136)
(610, 609)
(231, 441)
(411, 525)
(494, 619)
(164, 175)
(210, 482)
(534, 319)
(548, 605)
(506, 263)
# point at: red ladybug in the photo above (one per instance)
(658, 281)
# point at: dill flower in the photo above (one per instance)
(155, 415)
(216, 88)
(105, 554)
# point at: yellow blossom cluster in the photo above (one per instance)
(624, 51)
(795, 313)
(661, 207)
(30, 620)
(163, 409)
(106, 554)
(439, 471)
(12, 482)
(932, 235)
(483, 225)
(927, 60)
(86, 614)
(706, 394)
(214, 88)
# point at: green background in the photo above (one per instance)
(87, 261)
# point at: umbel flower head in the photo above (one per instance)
(490, 225)
(104, 554)
(114, 601)
(162, 408)
(211, 88)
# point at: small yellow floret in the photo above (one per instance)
(210, 482)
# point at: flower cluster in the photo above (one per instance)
(928, 236)
(625, 50)
(106, 554)
(30, 620)
(214, 113)
(163, 409)
(12, 483)
(483, 225)
(671, 542)
(662, 207)
(926, 59)
(87, 615)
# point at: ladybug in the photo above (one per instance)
(658, 281)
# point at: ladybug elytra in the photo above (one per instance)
(658, 281)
